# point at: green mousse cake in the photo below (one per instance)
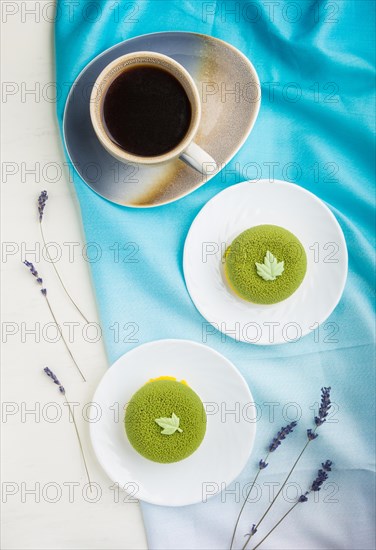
(265, 264)
(165, 420)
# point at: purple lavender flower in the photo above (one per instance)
(55, 379)
(311, 435)
(31, 267)
(262, 464)
(280, 436)
(42, 199)
(34, 272)
(324, 406)
(317, 483)
(327, 466)
(320, 478)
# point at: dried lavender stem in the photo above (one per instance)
(322, 476)
(245, 502)
(58, 275)
(276, 525)
(279, 491)
(62, 336)
(79, 441)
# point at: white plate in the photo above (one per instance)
(228, 440)
(246, 205)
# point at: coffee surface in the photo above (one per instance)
(146, 111)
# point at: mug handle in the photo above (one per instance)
(199, 159)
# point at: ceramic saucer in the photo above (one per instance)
(230, 92)
(254, 203)
(228, 440)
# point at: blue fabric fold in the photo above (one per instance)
(326, 50)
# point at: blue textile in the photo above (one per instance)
(315, 61)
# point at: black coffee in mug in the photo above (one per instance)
(146, 111)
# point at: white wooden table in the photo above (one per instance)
(45, 502)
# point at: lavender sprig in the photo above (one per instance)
(281, 435)
(62, 391)
(311, 435)
(324, 407)
(317, 483)
(42, 199)
(275, 443)
(43, 290)
(55, 379)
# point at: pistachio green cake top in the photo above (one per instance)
(165, 420)
(265, 264)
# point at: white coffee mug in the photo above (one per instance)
(188, 151)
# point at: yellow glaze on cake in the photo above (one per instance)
(167, 378)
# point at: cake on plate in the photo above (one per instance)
(265, 264)
(165, 420)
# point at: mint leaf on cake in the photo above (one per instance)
(271, 268)
(253, 264)
(165, 407)
(169, 425)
